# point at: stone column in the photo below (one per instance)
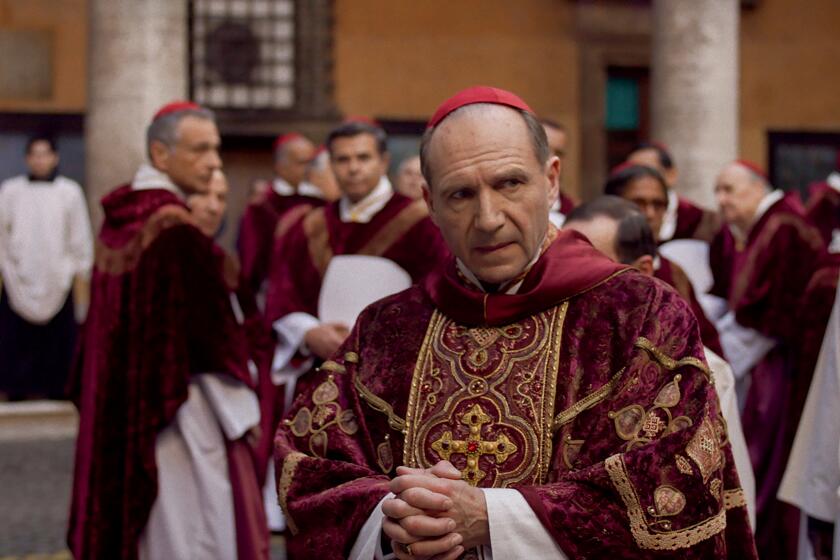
(695, 89)
(138, 62)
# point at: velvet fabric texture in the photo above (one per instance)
(764, 281)
(823, 209)
(160, 312)
(671, 273)
(591, 395)
(257, 232)
(401, 232)
(694, 222)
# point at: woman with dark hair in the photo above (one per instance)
(645, 187)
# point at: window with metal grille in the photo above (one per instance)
(243, 54)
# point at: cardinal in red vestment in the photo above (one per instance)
(762, 262)
(162, 384)
(530, 398)
(293, 154)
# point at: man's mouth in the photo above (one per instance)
(487, 249)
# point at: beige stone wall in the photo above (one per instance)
(790, 72)
(66, 22)
(401, 59)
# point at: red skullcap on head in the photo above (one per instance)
(285, 139)
(753, 167)
(174, 107)
(621, 167)
(477, 94)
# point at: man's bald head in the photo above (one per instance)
(491, 184)
(292, 158)
(739, 190)
(535, 130)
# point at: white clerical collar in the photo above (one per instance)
(769, 200)
(669, 221)
(509, 290)
(147, 177)
(363, 211)
(283, 188)
(834, 181)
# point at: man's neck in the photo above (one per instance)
(149, 177)
(48, 178)
(364, 209)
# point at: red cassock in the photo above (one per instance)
(401, 232)
(671, 273)
(160, 313)
(764, 281)
(823, 209)
(694, 222)
(587, 392)
(257, 232)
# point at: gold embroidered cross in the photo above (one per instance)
(474, 447)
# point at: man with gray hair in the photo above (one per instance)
(762, 261)
(530, 398)
(287, 192)
(163, 384)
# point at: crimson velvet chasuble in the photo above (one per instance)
(160, 312)
(586, 391)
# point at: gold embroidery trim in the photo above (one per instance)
(667, 361)
(644, 537)
(434, 324)
(351, 357)
(394, 230)
(290, 464)
(332, 366)
(379, 405)
(734, 498)
(587, 402)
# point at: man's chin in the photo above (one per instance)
(498, 274)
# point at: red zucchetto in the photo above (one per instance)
(477, 94)
(285, 139)
(174, 107)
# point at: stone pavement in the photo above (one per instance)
(37, 445)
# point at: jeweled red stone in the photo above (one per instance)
(472, 446)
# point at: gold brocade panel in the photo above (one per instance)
(483, 399)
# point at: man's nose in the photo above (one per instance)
(489, 216)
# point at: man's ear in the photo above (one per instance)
(427, 196)
(552, 172)
(644, 264)
(159, 154)
(671, 176)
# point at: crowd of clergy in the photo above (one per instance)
(465, 362)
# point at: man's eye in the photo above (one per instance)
(510, 183)
(461, 194)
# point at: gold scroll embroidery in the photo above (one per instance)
(637, 426)
(327, 412)
(704, 449)
(668, 500)
(385, 455)
(683, 465)
(379, 405)
(667, 361)
(587, 402)
(290, 464)
(510, 372)
(642, 533)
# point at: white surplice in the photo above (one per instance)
(812, 478)
(192, 517)
(45, 242)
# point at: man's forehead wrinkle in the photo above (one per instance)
(484, 165)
